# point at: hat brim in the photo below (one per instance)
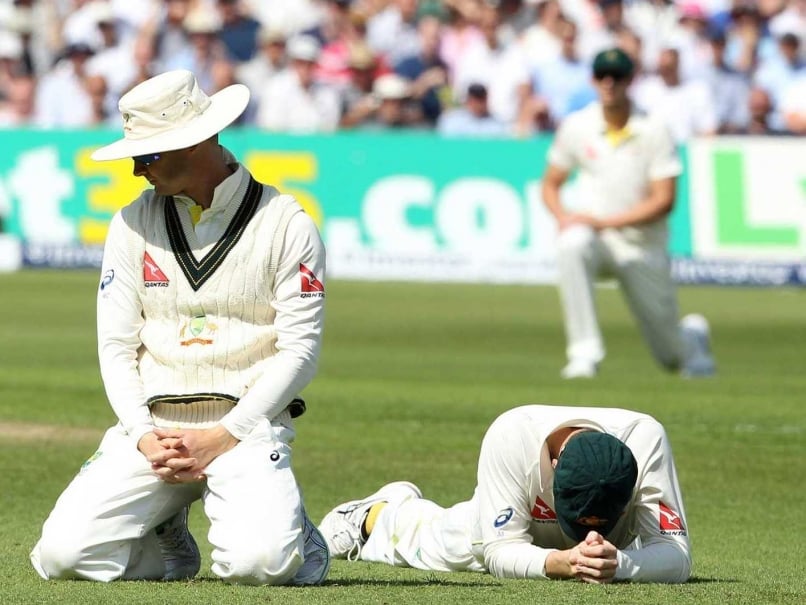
(225, 107)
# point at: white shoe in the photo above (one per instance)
(316, 566)
(343, 526)
(579, 368)
(695, 333)
(179, 550)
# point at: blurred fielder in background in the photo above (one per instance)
(563, 492)
(210, 313)
(627, 167)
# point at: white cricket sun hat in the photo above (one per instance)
(170, 111)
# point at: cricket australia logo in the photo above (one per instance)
(197, 331)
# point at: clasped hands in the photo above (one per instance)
(182, 455)
(580, 218)
(594, 560)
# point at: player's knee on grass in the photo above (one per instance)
(259, 567)
(62, 559)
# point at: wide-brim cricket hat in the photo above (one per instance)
(170, 111)
(593, 483)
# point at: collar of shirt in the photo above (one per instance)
(618, 137)
(224, 191)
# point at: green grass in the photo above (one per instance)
(410, 377)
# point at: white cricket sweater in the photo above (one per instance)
(188, 314)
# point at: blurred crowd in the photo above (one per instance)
(458, 67)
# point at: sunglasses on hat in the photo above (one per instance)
(147, 159)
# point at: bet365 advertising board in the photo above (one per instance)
(418, 207)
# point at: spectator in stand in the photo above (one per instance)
(473, 119)
(292, 15)
(460, 33)
(114, 60)
(775, 73)
(239, 30)
(542, 40)
(760, 109)
(692, 40)
(97, 91)
(18, 108)
(144, 65)
(656, 22)
(19, 22)
(793, 105)
(168, 33)
(503, 71)
(395, 108)
(791, 19)
(207, 55)
(612, 21)
(427, 72)
(746, 37)
(10, 61)
(81, 26)
(687, 108)
(392, 33)
(359, 102)
(343, 29)
(61, 100)
(293, 100)
(268, 62)
(515, 17)
(565, 81)
(729, 90)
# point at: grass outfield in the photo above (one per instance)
(410, 378)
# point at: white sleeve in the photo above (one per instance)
(664, 554)
(119, 320)
(298, 323)
(561, 152)
(504, 507)
(665, 161)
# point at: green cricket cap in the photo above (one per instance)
(593, 483)
(613, 62)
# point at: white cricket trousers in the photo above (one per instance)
(644, 275)
(102, 526)
(421, 534)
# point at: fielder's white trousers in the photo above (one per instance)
(421, 534)
(102, 526)
(644, 275)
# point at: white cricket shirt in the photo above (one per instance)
(614, 177)
(517, 527)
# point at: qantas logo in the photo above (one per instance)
(152, 274)
(310, 286)
(542, 511)
(670, 522)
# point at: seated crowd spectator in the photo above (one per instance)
(707, 66)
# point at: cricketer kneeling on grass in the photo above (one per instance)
(210, 312)
(563, 492)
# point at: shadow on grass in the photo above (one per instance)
(696, 580)
(349, 582)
